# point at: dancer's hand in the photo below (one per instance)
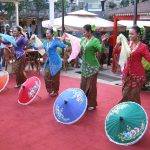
(118, 41)
(63, 38)
(104, 37)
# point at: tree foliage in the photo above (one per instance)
(111, 5)
(9, 7)
(132, 1)
(32, 5)
(124, 3)
(58, 5)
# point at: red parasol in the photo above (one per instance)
(29, 90)
(4, 78)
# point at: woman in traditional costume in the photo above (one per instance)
(53, 63)
(19, 68)
(133, 75)
(90, 45)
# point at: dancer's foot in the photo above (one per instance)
(53, 94)
(91, 108)
(17, 86)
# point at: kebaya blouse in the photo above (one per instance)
(53, 59)
(134, 64)
(90, 64)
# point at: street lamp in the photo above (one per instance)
(63, 13)
(135, 12)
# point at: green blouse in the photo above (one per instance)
(90, 64)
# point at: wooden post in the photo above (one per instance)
(115, 30)
(63, 13)
(135, 12)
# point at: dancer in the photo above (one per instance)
(53, 63)
(90, 45)
(133, 76)
(21, 42)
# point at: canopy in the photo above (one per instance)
(82, 13)
(75, 22)
(129, 23)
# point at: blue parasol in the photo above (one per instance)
(9, 39)
(70, 106)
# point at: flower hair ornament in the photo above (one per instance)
(93, 27)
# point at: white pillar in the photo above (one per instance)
(17, 13)
(77, 2)
(51, 12)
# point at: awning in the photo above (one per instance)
(76, 20)
(129, 23)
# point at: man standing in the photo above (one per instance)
(110, 43)
(30, 31)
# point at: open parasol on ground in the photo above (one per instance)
(70, 106)
(126, 123)
(9, 39)
(29, 90)
(4, 78)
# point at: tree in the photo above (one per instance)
(33, 8)
(9, 8)
(58, 5)
(132, 1)
(124, 3)
(111, 5)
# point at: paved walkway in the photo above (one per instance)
(104, 76)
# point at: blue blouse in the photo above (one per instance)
(53, 59)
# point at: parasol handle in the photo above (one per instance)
(121, 119)
(65, 101)
(23, 86)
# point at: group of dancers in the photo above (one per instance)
(133, 74)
